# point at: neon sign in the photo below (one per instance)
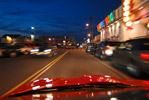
(127, 5)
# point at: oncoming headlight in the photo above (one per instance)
(47, 50)
(34, 50)
(109, 52)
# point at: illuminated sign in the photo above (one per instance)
(106, 20)
(127, 5)
(102, 24)
(98, 27)
(148, 25)
(9, 39)
(32, 37)
(109, 20)
(111, 16)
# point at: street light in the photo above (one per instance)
(32, 37)
(87, 25)
(88, 40)
(33, 28)
(90, 27)
(89, 35)
(49, 39)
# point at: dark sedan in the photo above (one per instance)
(134, 54)
(90, 47)
(105, 49)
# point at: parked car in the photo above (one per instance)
(93, 50)
(134, 55)
(90, 47)
(105, 49)
(10, 50)
(43, 51)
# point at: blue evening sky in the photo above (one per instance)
(53, 17)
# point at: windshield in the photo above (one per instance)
(66, 39)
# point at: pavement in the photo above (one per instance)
(17, 71)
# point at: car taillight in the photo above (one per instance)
(144, 55)
(107, 48)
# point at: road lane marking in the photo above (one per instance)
(48, 67)
(26, 80)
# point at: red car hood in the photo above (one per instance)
(83, 80)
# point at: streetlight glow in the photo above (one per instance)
(87, 24)
(32, 28)
(89, 35)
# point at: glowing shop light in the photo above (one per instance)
(126, 13)
(126, 19)
(129, 23)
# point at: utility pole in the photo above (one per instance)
(91, 28)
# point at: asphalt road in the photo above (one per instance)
(17, 71)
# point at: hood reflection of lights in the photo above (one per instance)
(36, 87)
(36, 95)
(48, 80)
(107, 76)
(36, 80)
(48, 85)
(113, 98)
(49, 96)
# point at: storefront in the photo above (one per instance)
(97, 39)
(110, 27)
(128, 21)
(138, 16)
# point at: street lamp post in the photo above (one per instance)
(33, 29)
(91, 27)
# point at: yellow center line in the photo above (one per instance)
(48, 67)
(58, 58)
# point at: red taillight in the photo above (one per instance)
(148, 95)
(107, 48)
(144, 55)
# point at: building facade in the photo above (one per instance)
(57, 40)
(128, 21)
(11, 38)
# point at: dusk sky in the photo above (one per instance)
(53, 17)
